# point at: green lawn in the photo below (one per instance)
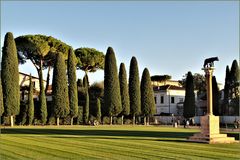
(108, 142)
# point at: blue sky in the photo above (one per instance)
(166, 37)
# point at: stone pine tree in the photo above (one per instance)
(30, 111)
(72, 86)
(215, 94)
(112, 96)
(86, 104)
(124, 91)
(225, 105)
(134, 89)
(10, 78)
(147, 96)
(60, 89)
(189, 103)
(1, 99)
(98, 111)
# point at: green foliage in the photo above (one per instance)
(86, 104)
(80, 115)
(60, 88)
(147, 95)
(160, 78)
(72, 85)
(10, 77)
(134, 88)
(22, 117)
(89, 59)
(215, 92)
(40, 47)
(30, 103)
(112, 96)
(124, 90)
(98, 115)
(1, 99)
(234, 80)
(189, 103)
(225, 105)
(42, 100)
(198, 81)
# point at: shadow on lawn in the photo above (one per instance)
(113, 133)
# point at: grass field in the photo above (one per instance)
(108, 142)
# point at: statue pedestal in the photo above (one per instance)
(210, 132)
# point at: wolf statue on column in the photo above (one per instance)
(209, 62)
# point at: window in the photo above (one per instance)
(34, 84)
(172, 99)
(162, 99)
(180, 99)
(155, 98)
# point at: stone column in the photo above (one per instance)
(209, 73)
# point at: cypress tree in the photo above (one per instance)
(215, 93)
(225, 105)
(86, 104)
(134, 89)
(124, 91)
(10, 77)
(147, 96)
(72, 86)
(30, 103)
(112, 96)
(60, 89)
(98, 115)
(1, 99)
(234, 87)
(189, 103)
(234, 79)
(42, 100)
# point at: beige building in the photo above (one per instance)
(167, 82)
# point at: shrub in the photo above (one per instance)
(106, 120)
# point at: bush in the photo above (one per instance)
(106, 120)
(127, 121)
(79, 118)
(52, 121)
(117, 120)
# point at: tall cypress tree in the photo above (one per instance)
(1, 99)
(215, 93)
(10, 77)
(147, 96)
(124, 91)
(189, 103)
(72, 86)
(43, 103)
(234, 79)
(99, 114)
(86, 104)
(134, 89)
(60, 89)
(112, 96)
(224, 110)
(30, 103)
(234, 87)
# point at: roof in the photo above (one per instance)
(29, 75)
(167, 87)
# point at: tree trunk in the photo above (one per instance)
(11, 120)
(145, 120)
(57, 121)
(133, 120)
(110, 120)
(48, 79)
(122, 119)
(71, 121)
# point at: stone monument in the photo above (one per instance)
(210, 123)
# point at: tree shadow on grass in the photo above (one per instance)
(98, 133)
